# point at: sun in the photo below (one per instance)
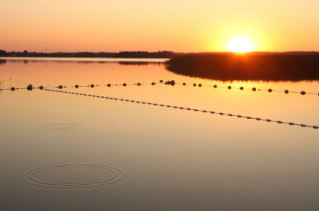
(241, 44)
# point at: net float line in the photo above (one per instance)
(185, 108)
(30, 87)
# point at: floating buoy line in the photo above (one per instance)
(30, 87)
(183, 108)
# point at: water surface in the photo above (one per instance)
(141, 157)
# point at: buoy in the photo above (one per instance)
(254, 89)
(13, 88)
(124, 84)
(172, 82)
(241, 88)
(286, 91)
(109, 85)
(92, 85)
(76, 86)
(269, 90)
(153, 83)
(184, 84)
(29, 87)
(138, 84)
(60, 86)
(200, 85)
(303, 93)
(161, 81)
(229, 87)
(215, 86)
(194, 84)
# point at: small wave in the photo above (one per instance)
(73, 175)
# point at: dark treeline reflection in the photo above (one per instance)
(26, 61)
(290, 66)
(2, 61)
(138, 63)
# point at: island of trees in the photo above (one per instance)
(293, 66)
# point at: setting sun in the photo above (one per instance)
(241, 44)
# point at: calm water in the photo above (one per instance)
(69, 152)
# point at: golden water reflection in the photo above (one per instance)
(171, 158)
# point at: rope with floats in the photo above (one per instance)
(30, 87)
(183, 108)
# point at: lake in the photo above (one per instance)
(153, 146)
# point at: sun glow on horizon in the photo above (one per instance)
(241, 44)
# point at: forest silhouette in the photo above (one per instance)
(123, 54)
(290, 66)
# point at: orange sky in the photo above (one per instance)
(177, 25)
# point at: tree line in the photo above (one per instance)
(123, 54)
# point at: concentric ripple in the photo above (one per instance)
(73, 175)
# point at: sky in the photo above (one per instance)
(175, 25)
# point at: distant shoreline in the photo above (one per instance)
(123, 54)
(287, 66)
(265, 66)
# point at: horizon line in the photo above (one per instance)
(159, 51)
